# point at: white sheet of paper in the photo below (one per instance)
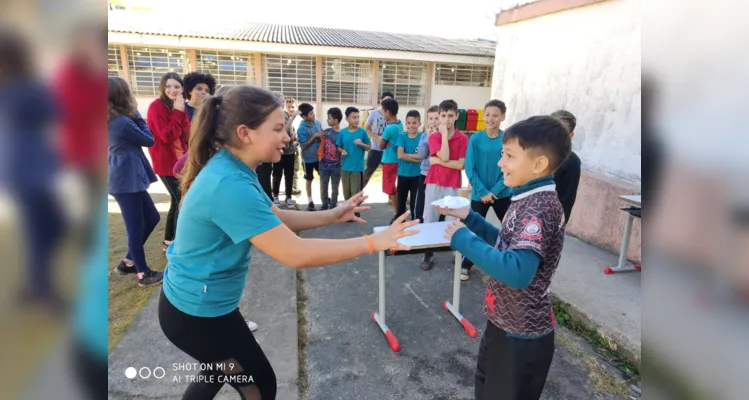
(456, 202)
(430, 234)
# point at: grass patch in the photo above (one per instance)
(602, 346)
(301, 304)
(603, 382)
(126, 298)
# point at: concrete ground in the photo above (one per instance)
(347, 356)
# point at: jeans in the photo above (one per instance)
(284, 167)
(141, 217)
(329, 174)
(407, 186)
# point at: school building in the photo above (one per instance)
(582, 56)
(324, 67)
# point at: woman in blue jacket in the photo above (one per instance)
(130, 175)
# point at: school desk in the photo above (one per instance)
(430, 237)
(634, 210)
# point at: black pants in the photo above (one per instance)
(510, 368)
(500, 207)
(264, 172)
(374, 159)
(90, 371)
(223, 340)
(420, 197)
(172, 186)
(407, 186)
(284, 167)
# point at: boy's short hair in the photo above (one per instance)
(496, 103)
(545, 134)
(335, 112)
(195, 78)
(350, 110)
(390, 105)
(567, 117)
(413, 113)
(387, 93)
(305, 108)
(433, 109)
(448, 105)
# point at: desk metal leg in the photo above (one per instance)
(379, 318)
(622, 266)
(454, 308)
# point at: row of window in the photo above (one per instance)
(343, 80)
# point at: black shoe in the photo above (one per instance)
(393, 219)
(324, 207)
(151, 278)
(426, 262)
(311, 206)
(123, 269)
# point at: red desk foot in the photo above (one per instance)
(613, 270)
(467, 326)
(392, 340)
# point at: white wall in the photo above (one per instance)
(467, 97)
(585, 60)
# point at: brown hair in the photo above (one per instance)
(215, 124)
(433, 109)
(162, 88)
(15, 55)
(121, 100)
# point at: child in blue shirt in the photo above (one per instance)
(330, 160)
(352, 143)
(520, 259)
(488, 189)
(409, 164)
(224, 214)
(309, 133)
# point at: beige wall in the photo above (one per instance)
(467, 97)
(585, 60)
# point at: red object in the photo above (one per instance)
(392, 341)
(389, 178)
(82, 124)
(638, 267)
(439, 174)
(170, 130)
(608, 271)
(471, 125)
(470, 330)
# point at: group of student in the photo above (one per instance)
(208, 147)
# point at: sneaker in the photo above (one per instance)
(151, 278)
(426, 262)
(276, 202)
(325, 207)
(124, 269)
(393, 219)
(464, 274)
(290, 203)
(252, 325)
(311, 206)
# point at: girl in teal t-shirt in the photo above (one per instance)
(225, 213)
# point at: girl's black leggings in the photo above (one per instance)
(224, 340)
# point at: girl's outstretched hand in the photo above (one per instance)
(347, 210)
(388, 239)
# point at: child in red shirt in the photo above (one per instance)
(447, 150)
(170, 126)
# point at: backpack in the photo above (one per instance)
(328, 151)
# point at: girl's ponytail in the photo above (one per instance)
(204, 139)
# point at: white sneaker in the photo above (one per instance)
(290, 203)
(464, 274)
(276, 201)
(252, 325)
